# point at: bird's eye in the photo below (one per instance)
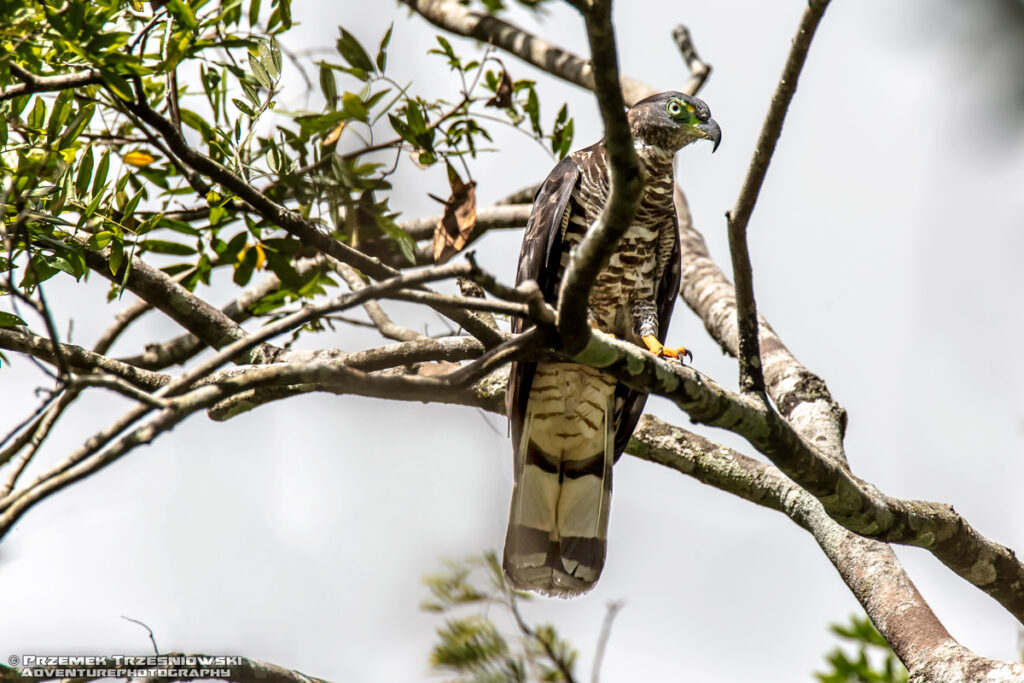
(674, 109)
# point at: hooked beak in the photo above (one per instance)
(709, 130)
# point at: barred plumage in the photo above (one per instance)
(570, 422)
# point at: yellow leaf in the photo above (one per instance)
(333, 136)
(139, 159)
(261, 256)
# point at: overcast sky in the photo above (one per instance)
(886, 247)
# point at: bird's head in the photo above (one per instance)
(672, 120)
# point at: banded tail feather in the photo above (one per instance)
(558, 523)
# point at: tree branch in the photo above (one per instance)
(456, 18)
(81, 360)
(851, 502)
(33, 84)
(184, 347)
(384, 324)
(626, 183)
(891, 600)
(206, 322)
(749, 357)
(309, 232)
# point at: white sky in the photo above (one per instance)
(886, 248)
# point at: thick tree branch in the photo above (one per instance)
(801, 396)
(30, 83)
(96, 454)
(80, 360)
(890, 598)
(855, 504)
(749, 357)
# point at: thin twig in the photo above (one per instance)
(152, 638)
(380, 319)
(37, 435)
(614, 608)
(560, 664)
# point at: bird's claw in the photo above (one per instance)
(662, 351)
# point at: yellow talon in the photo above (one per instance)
(659, 349)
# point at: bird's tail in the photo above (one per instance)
(558, 524)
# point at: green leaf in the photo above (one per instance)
(10, 320)
(272, 65)
(354, 106)
(250, 92)
(77, 125)
(130, 207)
(198, 123)
(402, 129)
(415, 117)
(84, 172)
(37, 118)
(116, 255)
(353, 52)
(117, 84)
(100, 179)
(100, 239)
(382, 51)
(183, 13)
(328, 85)
(244, 270)
(254, 12)
(164, 247)
(243, 107)
(284, 8)
(260, 72)
(58, 114)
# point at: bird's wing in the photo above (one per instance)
(633, 401)
(539, 260)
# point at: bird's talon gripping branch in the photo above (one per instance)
(659, 349)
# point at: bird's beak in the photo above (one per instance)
(709, 130)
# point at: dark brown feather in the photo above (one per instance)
(539, 260)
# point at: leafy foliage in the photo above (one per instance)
(870, 645)
(87, 186)
(472, 647)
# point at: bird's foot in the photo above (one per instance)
(659, 349)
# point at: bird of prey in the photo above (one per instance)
(570, 422)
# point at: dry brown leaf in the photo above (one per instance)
(456, 225)
(503, 95)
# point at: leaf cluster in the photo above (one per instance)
(471, 646)
(860, 668)
(81, 175)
